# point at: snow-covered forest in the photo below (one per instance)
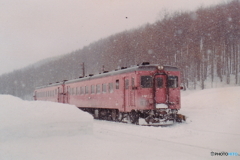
(204, 44)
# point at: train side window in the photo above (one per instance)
(110, 87)
(86, 89)
(159, 82)
(93, 89)
(98, 88)
(172, 81)
(104, 88)
(72, 91)
(146, 81)
(126, 83)
(82, 90)
(117, 84)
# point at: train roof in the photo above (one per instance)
(145, 67)
(123, 70)
(51, 85)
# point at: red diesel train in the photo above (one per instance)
(149, 93)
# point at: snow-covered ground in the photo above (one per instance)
(48, 131)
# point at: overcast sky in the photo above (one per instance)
(32, 30)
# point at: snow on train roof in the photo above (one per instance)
(115, 72)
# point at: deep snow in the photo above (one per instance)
(45, 130)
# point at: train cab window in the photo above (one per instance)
(117, 84)
(159, 82)
(110, 87)
(86, 89)
(172, 81)
(98, 88)
(92, 89)
(146, 81)
(126, 83)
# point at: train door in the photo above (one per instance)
(161, 94)
(66, 94)
(61, 94)
(132, 92)
(173, 89)
(126, 92)
(35, 95)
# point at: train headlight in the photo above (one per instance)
(160, 67)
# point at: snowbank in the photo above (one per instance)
(45, 130)
(21, 119)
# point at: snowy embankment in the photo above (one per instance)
(45, 130)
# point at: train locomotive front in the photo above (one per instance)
(159, 95)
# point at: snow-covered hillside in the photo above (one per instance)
(45, 130)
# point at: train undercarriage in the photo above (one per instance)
(156, 117)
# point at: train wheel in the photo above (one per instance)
(114, 115)
(133, 117)
(119, 117)
(96, 114)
